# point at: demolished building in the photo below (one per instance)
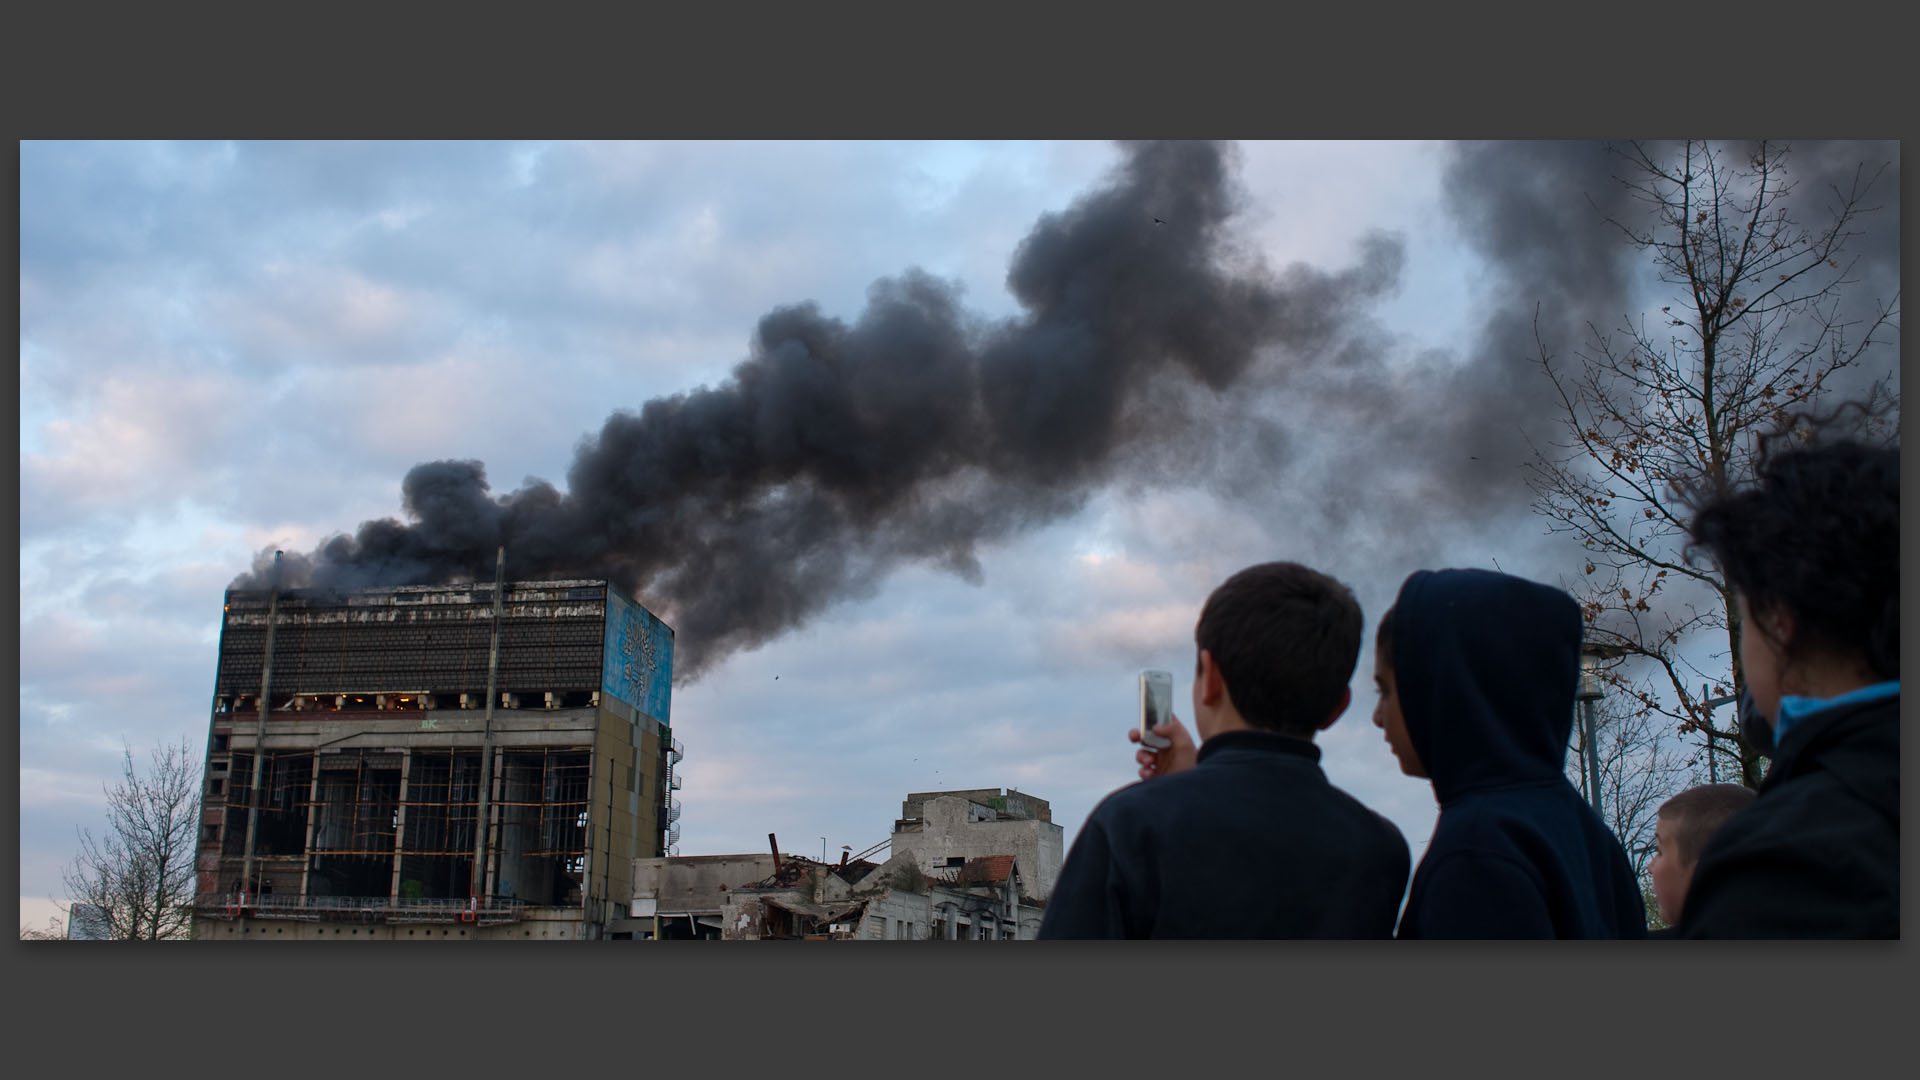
(362, 781)
(939, 883)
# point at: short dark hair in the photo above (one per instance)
(1817, 535)
(1697, 813)
(1286, 639)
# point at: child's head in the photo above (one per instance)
(1476, 672)
(1687, 822)
(1386, 713)
(1284, 639)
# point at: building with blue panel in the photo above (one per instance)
(363, 782)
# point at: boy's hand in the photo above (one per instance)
(1178, 757)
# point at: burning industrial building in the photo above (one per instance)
(447, 761)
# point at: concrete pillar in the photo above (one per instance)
(400, 821)
(491, 872)
(313, 826)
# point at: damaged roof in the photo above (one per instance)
(988, 870)
(823, 912)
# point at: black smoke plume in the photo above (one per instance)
(1539, 213)
(837, 451)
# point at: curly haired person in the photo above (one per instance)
(1812, 547)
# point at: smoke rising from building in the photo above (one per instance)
(1149, 343)
(914, 433)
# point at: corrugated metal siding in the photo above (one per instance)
(417, 639)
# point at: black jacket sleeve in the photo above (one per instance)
(1085, 902)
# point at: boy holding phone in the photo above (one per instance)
(1252, 841)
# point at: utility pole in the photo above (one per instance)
(481, 823)
(260, 738)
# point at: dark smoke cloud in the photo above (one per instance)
(1411, 459)
(837, 451)
(1822, 171)
(1538, 212)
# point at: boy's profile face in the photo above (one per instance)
(1386, 716)
(1670, 875)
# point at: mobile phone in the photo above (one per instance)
(1156, 707)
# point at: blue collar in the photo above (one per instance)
(1795, 709)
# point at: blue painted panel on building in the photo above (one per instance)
(639, 658)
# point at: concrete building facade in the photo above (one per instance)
(362, 783)
(943, 829)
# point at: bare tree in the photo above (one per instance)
(1641, 766)
(53, 931)
(1755, 332)
(141, 870)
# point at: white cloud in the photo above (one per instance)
(38, 912)
(148, 428)
(41, 787)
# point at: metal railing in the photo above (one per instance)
(390, 909)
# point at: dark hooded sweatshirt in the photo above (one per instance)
(1485, 667)
(1817, 855)
(1252, 842)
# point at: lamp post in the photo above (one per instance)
(1591, 689)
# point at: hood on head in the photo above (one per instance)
(1485, 666)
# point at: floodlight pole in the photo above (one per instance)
(1590, 690)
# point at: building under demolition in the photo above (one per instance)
(975, 865)
(362, 781)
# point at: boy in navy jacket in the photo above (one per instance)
(1476, 673)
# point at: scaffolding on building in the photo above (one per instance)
(390, 834)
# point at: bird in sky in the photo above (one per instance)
(1157, 221)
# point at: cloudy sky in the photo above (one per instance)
(1319, 353)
